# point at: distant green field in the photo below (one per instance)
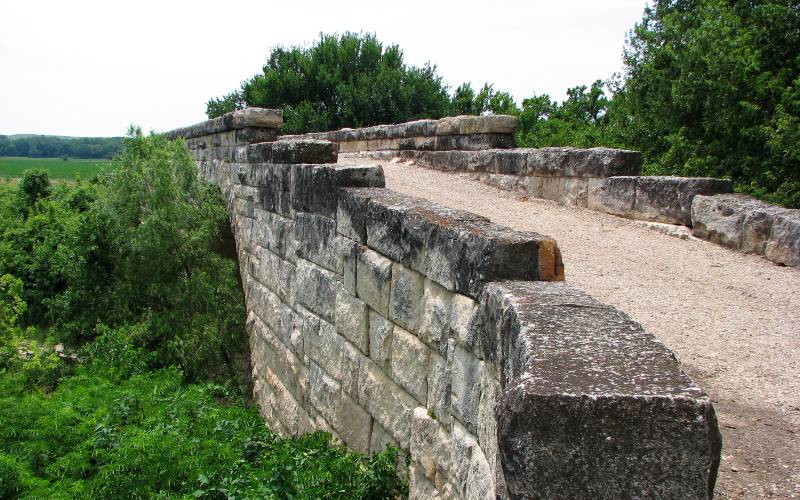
(57, 168)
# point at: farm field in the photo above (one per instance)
(57, 168)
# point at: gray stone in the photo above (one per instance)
(352, 320)
(241, 119)
(292, 152)
(354, 425)
(657, 199)
(434, 327)
(409, 364)
(373, 280)
(439, 389)
(387, 402)
(316, 239)
(580, 375)
(324, 394)
(313, 189)
(749, 225)
(380, 339)
(360, 176)
(315, 288)
(406, 303)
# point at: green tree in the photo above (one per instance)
(34, 185)
(350, 80)
(712, 89)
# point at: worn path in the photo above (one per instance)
(732, 320)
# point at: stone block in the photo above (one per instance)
(347, 262)
(430, 446)
(373, 280)
(406, 303)
(439, 389)
(574, 162)
(293, 152)
(324, 346)
(783, 246)
(351, 364)
(314, 189)
(351, 214)
(466, 384)
(352, 320)
(409, 364)
(315, 288)
(363, 176)
(380, 339)
(324, 394)
(463, 320)
(658, 199)
(387, 402)
(250, 135)
(354, 425)
(316, 239)
(239, 119)
(434, 327)
(511, 162)
(749, 225)
(380, 439)
(602, 388)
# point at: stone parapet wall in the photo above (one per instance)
(456, 132)
(387, 319)
(748, 225)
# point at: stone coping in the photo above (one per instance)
(243, 118)
(752, 226)
(452, 125)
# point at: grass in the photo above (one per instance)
(57, 168)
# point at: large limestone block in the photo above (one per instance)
(409, 363)
(435, 325)
(380, 339)
(315, 288)
(386, 401)
(468, 124)
(574, 162)
(659, 198)
(292, 152)
(430, 447)
(581, 376)
(352, 320)
(373, 280)
(239, 119)
(324, 394)
(440, 389)
(784, 242)
(406, 304)
(354, 425)
(749, 225)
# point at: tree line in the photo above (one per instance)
(48, 146)
(709, 88)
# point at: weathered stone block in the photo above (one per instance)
(387, 402)
(409, 364)
(314, 189)
(364, 176)
(439, 389)
(466, 384)
(380, 439)
(434, 327)
(315, 288)
(430, 446)
(352, 320)
(316, 238)
(293, 152)
(354, 425)
(347, 262)
(373, 280)
(324, 394)
(380, 339)
(784, 242)
(325, 346)
(406, 303)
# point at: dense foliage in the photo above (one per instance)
(340, 81)
(48, 146)
(147, 397)
(713, 88)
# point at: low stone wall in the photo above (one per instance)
(659, 199)
(455, 132)
(559, 174)
(748, 225)
(387, 319)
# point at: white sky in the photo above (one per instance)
(91, 68)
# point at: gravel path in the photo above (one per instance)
(733, 320)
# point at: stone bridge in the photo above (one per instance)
(387, 319)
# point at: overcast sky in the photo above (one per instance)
(91, 68)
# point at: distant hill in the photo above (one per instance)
(57, 146)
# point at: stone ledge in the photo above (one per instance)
(459, 250)
(748, 225)
(579, 375)
(544, 162)
(665, 199)
(243, 118)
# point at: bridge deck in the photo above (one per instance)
(733, 320)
